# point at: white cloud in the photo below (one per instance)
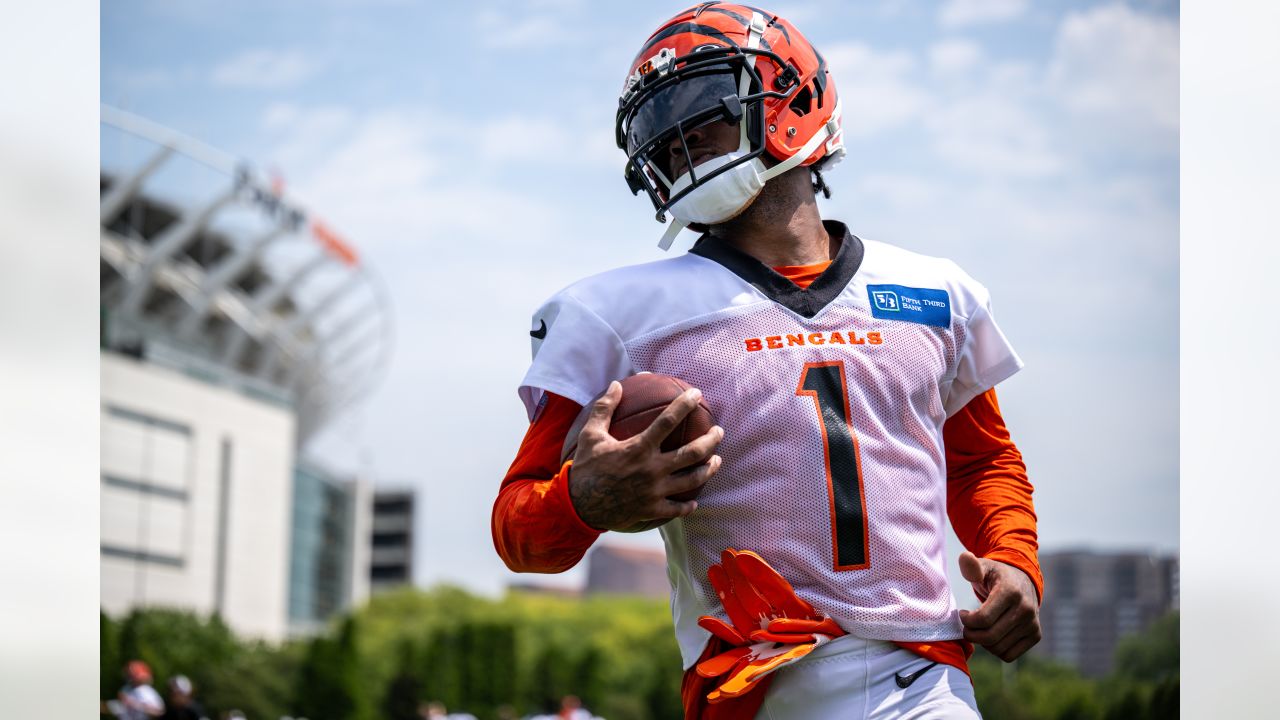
(521, 137)
(500, 30)
(280, 115)
(557, 4)
(957, 13)
(800, 15)
(374, 173)
(265, 68)
(146, 79)
(954, 57)
(124, 87)
(387, 150)
(1120, 66)
(306, 136)
(547, 141)
(875, 88)
(394, 182)
(989, 125)
(899, 190)
(992, 135)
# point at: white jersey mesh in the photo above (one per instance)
(693, 318)
(771, 495)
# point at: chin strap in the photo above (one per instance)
(826, 132)
(673, 230)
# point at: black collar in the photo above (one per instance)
(777, 288)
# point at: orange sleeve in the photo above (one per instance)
(535, 528)
(988, 493)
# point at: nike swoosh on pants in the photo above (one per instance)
(904, 681)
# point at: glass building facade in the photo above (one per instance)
(323, 540)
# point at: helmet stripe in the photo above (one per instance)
(683, 28)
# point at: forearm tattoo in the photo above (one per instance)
(607, 501)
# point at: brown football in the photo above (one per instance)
(644, 397)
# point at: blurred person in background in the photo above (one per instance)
(571, 709)
(182, 702)
(432, 711)
(138, 700)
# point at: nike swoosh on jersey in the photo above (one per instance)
(904, 681)
(541, 332)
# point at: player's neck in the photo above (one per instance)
(782, 226)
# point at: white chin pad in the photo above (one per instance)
(721, 198)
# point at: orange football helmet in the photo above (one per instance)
(733, 63)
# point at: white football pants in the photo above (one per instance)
(851, 678)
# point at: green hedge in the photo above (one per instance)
(522, 653)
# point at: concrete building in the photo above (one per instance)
(234, 326)
(622, 570)
(195, 497)
(1093, 599)
(391, 558)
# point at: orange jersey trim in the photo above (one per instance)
(955, 653)
(803, 275)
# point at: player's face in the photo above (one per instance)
(695, 107)
(704, 142)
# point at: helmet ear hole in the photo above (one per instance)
(802, 103)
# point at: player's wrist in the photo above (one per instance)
(1028, 570)
(563, 483)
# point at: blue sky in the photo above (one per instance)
(467, 152)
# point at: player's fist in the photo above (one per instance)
(1007, 623)
(628, 484)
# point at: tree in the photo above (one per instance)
(1130, 706)
(1152, 655)
(109, 662)
(179, 642)
(329, 685)
(444, 667)
(404, 694)
(1165, 700)
(586, 676)
(492, 676)
(548, 678)
(259, 681)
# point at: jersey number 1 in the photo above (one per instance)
(825, 383)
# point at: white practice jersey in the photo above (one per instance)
(832, 400)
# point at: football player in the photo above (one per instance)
(852, 383)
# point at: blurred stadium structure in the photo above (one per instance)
(621, 570)
(209, 268)
(1094, 599)
(612, 569)
(391, 557)
(235, 325)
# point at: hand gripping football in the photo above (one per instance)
(644, 397)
